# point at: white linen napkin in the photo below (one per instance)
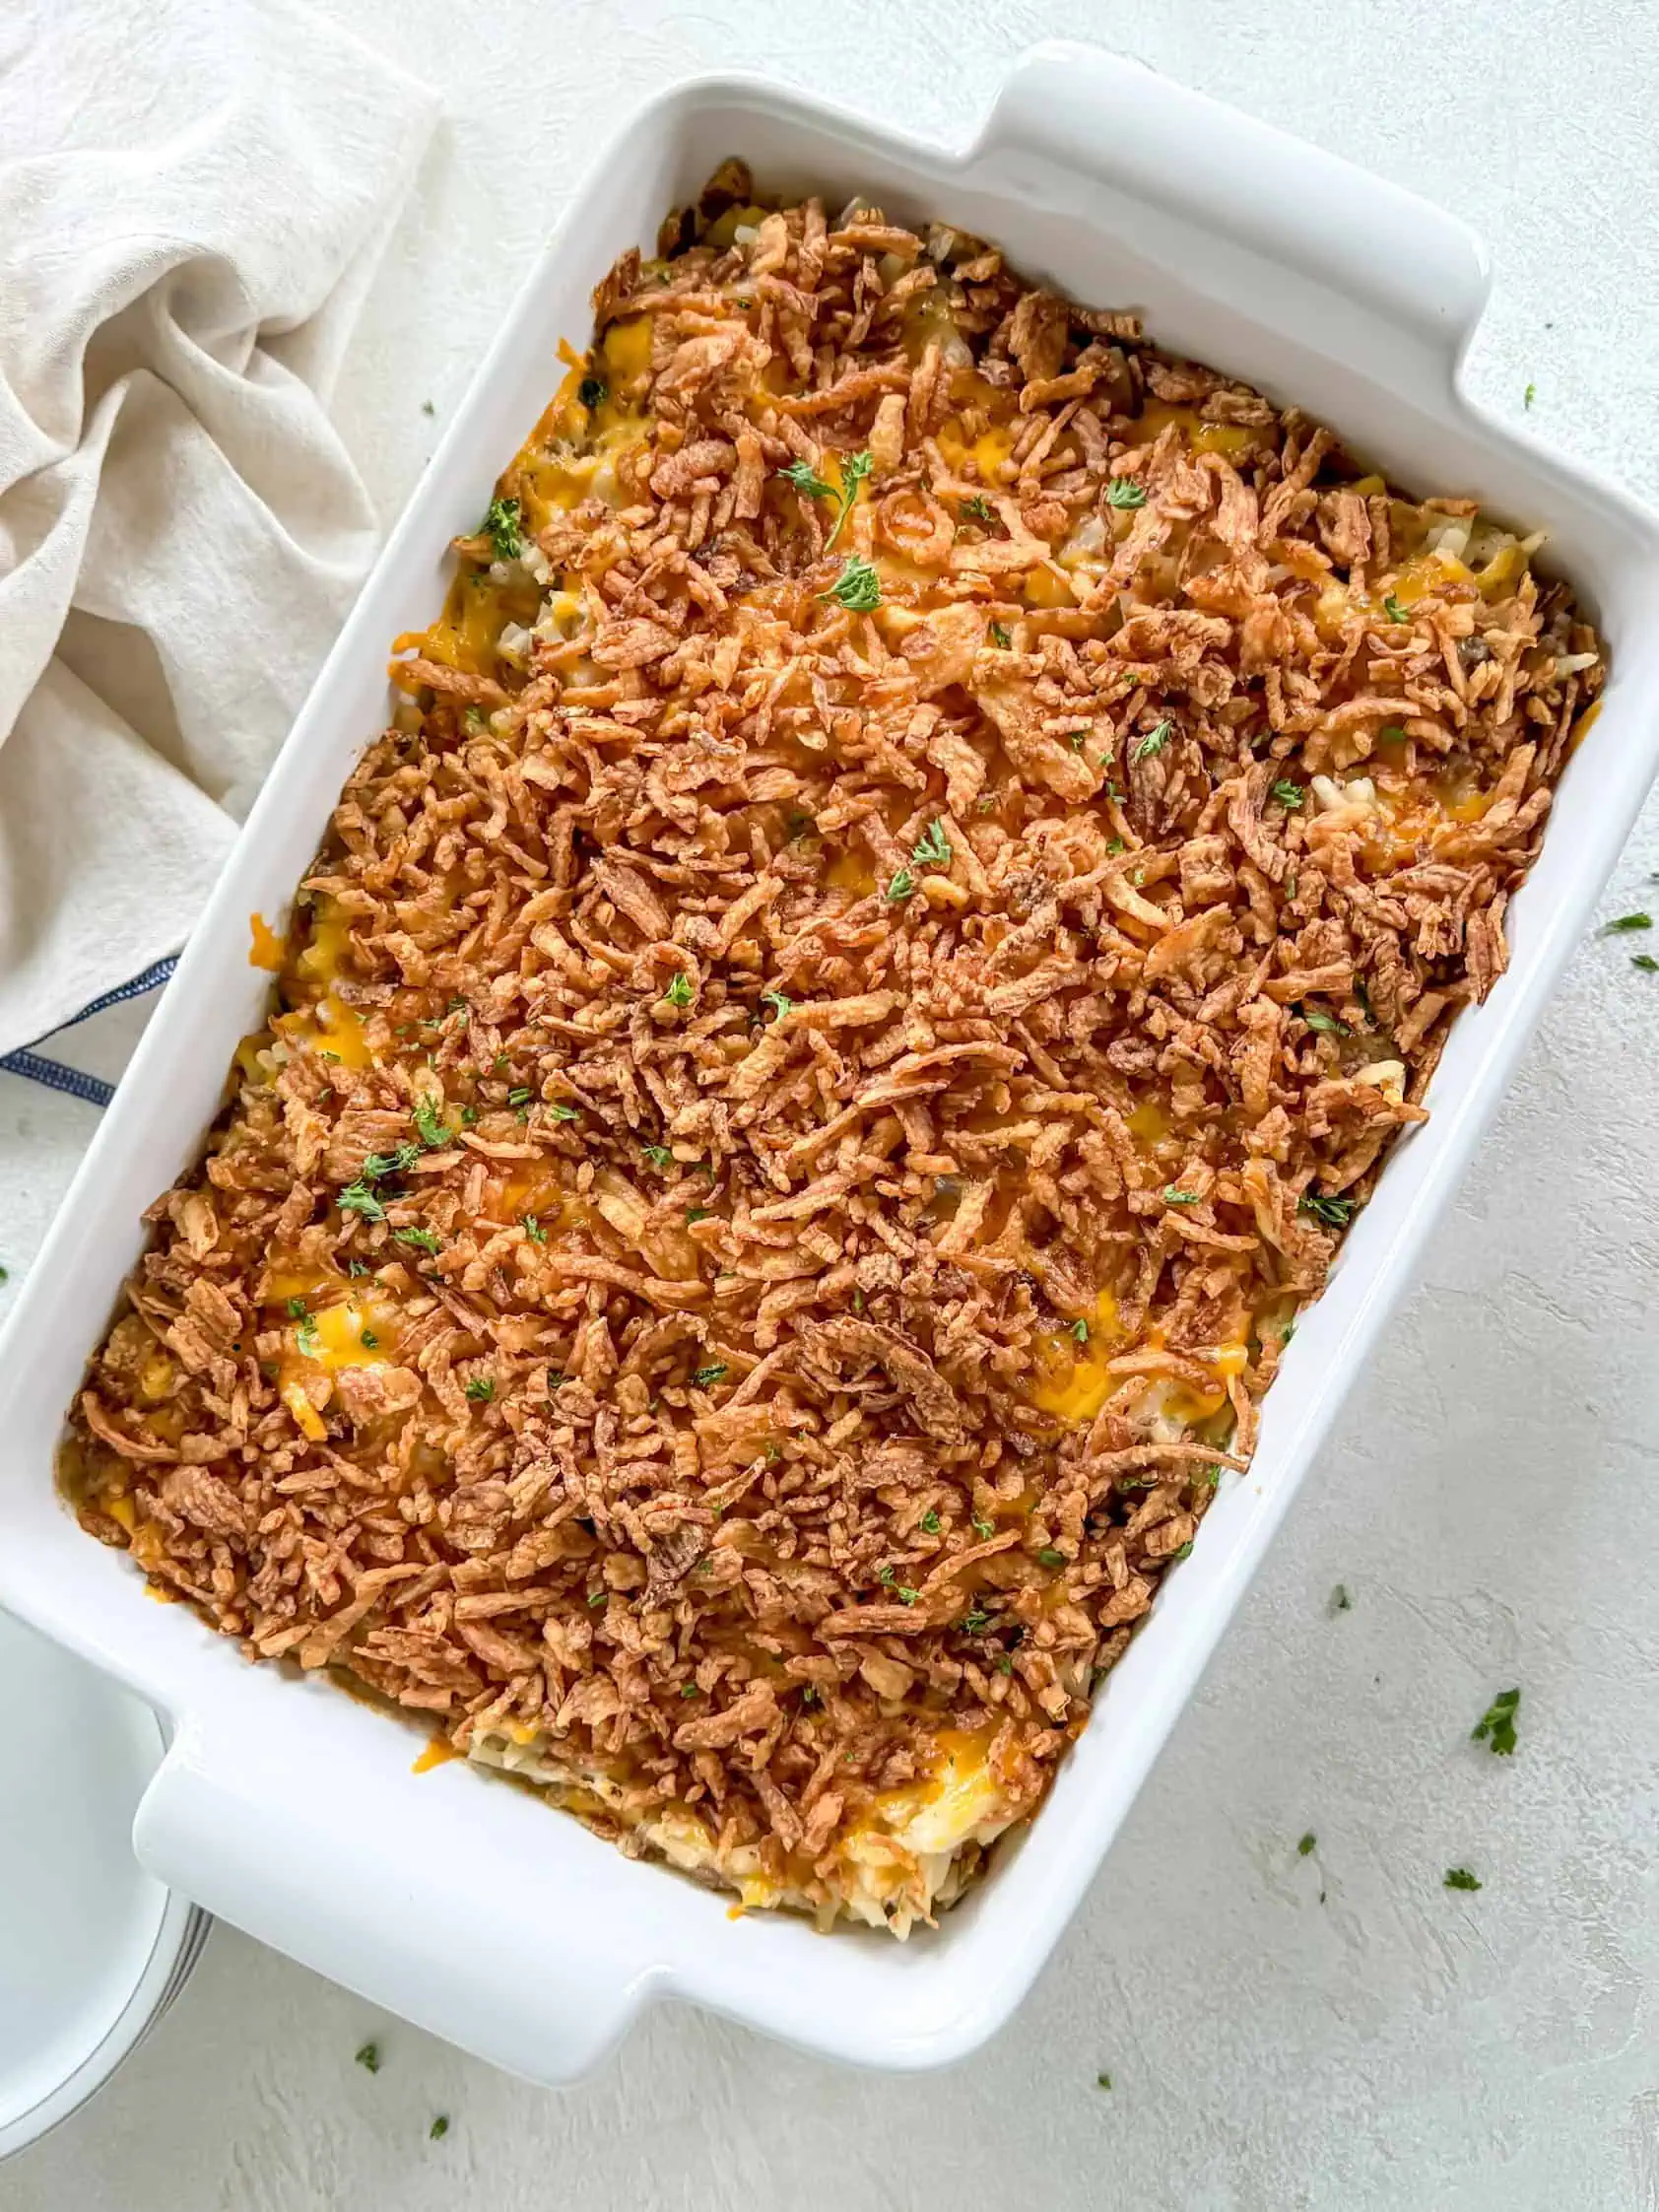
(193, 198)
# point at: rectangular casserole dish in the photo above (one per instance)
(292, 1810)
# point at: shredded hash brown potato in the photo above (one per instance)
(930, 855)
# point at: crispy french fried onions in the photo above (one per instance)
(930, 855)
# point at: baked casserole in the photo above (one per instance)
(929, 856)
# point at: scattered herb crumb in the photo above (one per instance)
(1154, 742)
(369, 2058)
(1624, 924)
(1495, 1727)
(1341, 1601)
(1644, 961)
(1124, 493)
(439, 2127)
(1102, 2080)
(1460, 1878)
(1306, 1843)
(480, 1389)
(1529, 396)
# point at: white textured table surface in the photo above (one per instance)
(1330, 2031)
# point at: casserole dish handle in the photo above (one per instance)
(1244, 185)
(310, 1858)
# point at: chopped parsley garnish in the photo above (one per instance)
(480, 1389)
(810, 485)
(369, 2058)
(1392, 608)
(368, 1340)
(469, 1118)
(532, 1229)
(439, 2127)
(854, 469)
(985, 1529)
(593, 391)
(297, 1309)
(932, 850)
(930, 1523)
(1335, 1213)
(423, 1240)
(358, 1198)
(1154, 742)
(678, 992)
(1048, 1557)
(1306, 1843)
(306, 1334)
(659, 1155)
(429, 1124)
(1080, 1329)
(1495, 1727)
(381, 1163)
(976, 1622)
(1459, 1877)
(1289, 795)
(501, 526)
(520, 1094)
(1328, 1022)
(1391, 734)
(563, 1113)
(779, 1001)
(597, 1598)
(355, 1267)
(901, 888)
(906, 1594)
(1124, 492)
(698, 1213)
(1000, 637)
(978, 510)
(857, 588)
(1183, 1551)
(707, 1378)
(1174, 1197)
(1624, 924)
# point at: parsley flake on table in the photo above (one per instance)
(1460, 1878)
(1341, 1602)
(369, 2058)
(1528, 396)
(1495, 1727)
(1624, 924)
(439, 2129)
(1306, 1843)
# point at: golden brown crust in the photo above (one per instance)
(851, 1100)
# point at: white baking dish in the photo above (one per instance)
(290, 1809)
